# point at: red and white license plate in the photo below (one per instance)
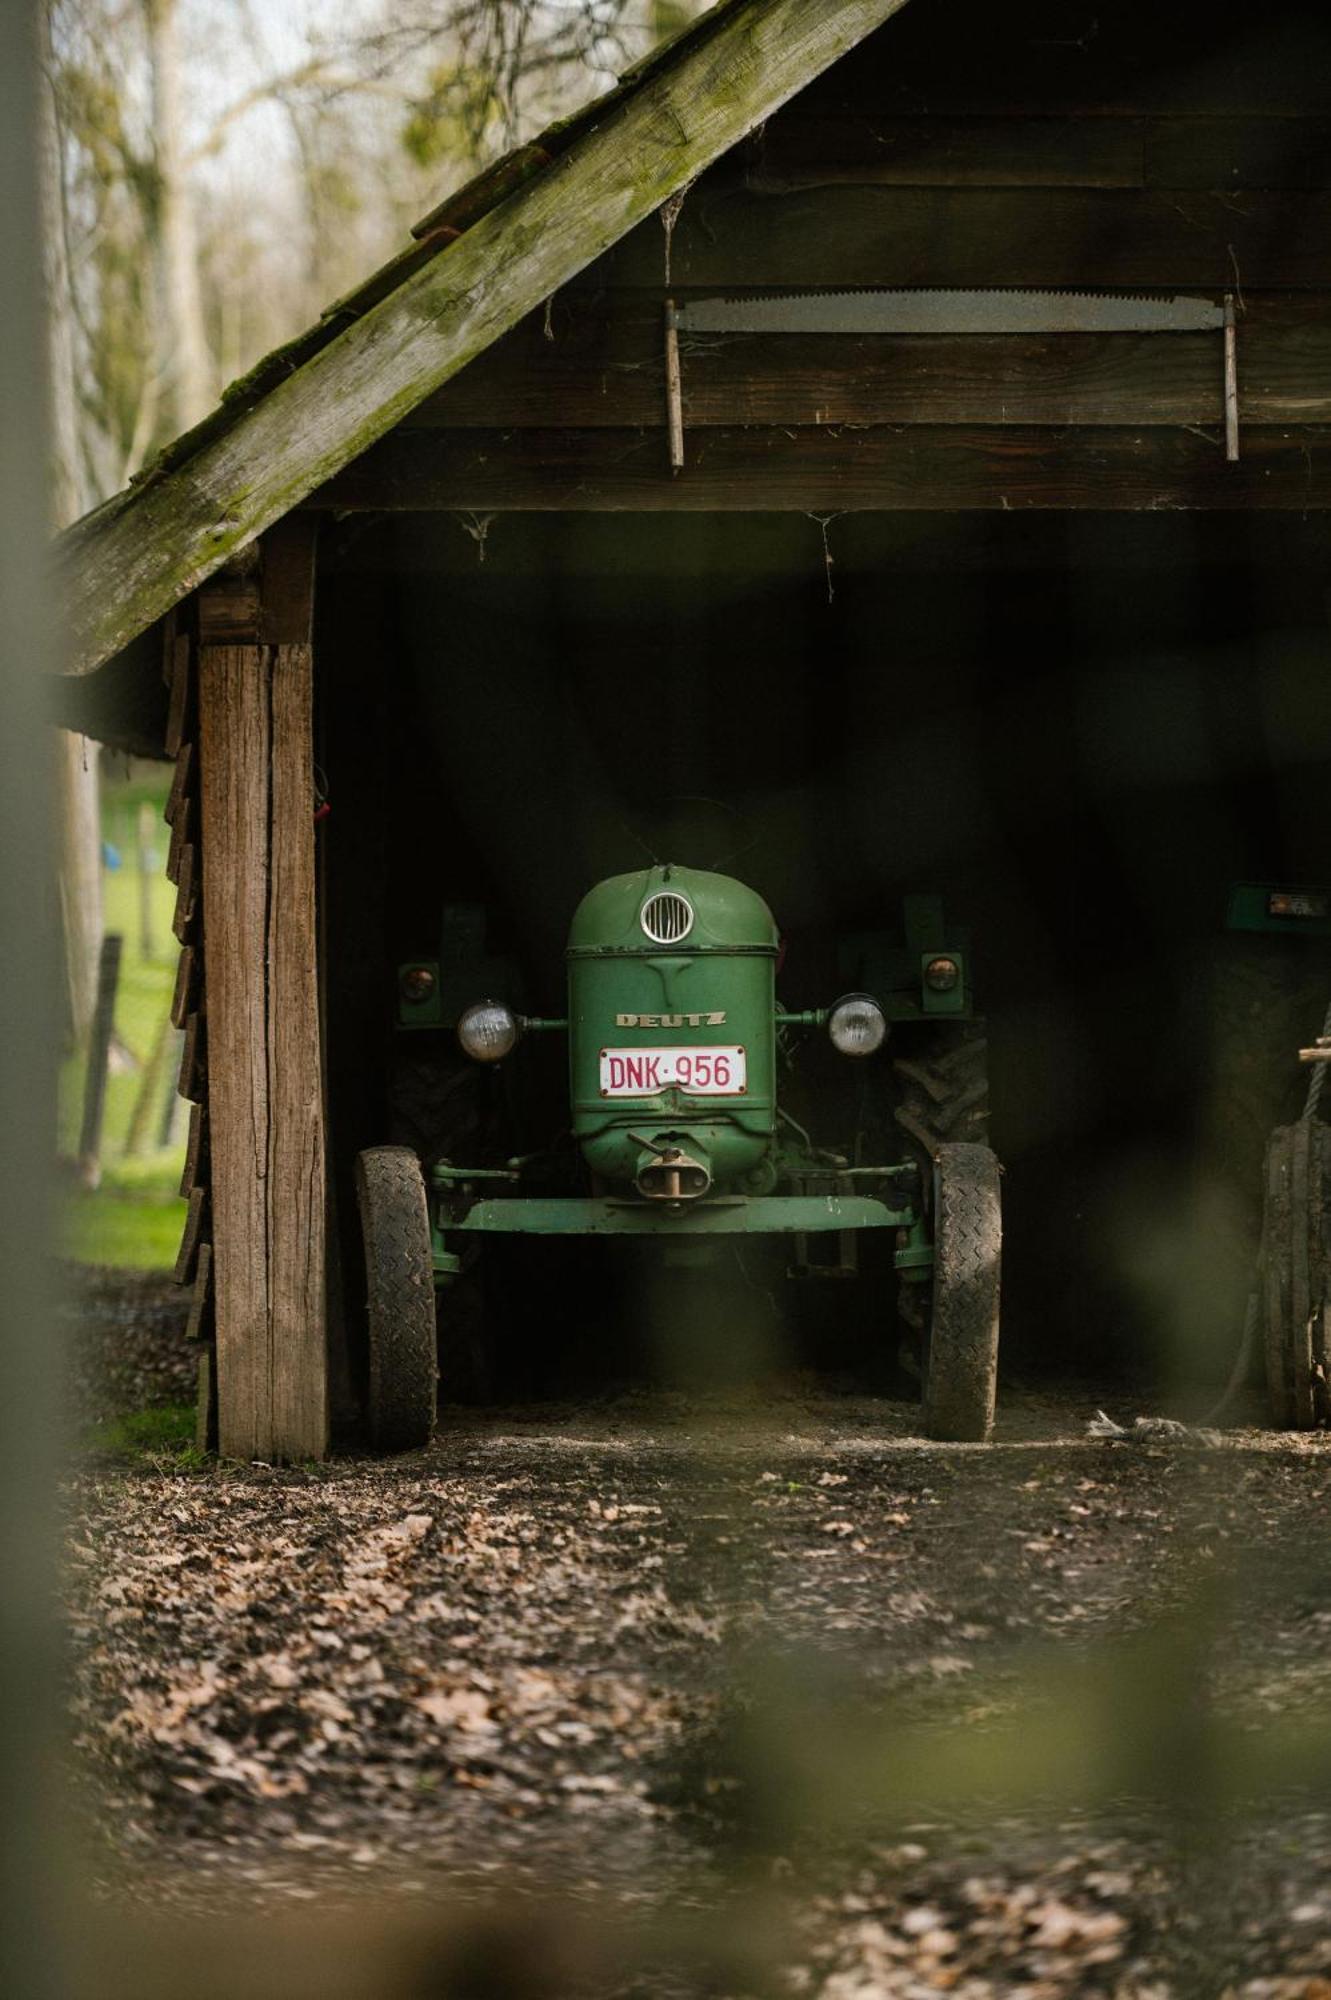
(701, 1072)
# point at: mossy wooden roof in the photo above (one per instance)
(490, 254)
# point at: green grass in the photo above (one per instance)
(135, 1217)
(166, 1432)
(131, 1231)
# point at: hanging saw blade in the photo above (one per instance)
(951, 310)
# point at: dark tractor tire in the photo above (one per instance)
(943, 1084)
(1296, 1269)
(435, 1106)
(399, 1288)
(942, 1099)
(961, 1370)
(1259, 1000)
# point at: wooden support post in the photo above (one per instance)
(1231, 382)
(147, 862)
(149, 1092)
(264, 1070)
(674, 392)
(169, 1128)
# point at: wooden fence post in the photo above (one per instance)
(265, 1097)
(99, 1060)
(147, 862)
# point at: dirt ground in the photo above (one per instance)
(735, 1695)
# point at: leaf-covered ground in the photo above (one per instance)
(739, 1696)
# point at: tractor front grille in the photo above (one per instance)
(667, 917)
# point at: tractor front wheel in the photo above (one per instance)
(961, 1369)
(399, 1296)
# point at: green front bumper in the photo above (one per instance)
(732, 1215)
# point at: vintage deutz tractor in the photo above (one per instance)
(675, 1043)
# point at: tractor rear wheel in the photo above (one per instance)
(1296, 1267)
(943, 1080)
(399, 1280)
(942, 1099)
(961, 1367)
(1248, 1010)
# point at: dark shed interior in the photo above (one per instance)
(1080, 729)
(1032, 616)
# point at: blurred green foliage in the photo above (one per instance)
(452, 117)
(134, 1218)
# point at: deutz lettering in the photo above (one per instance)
(670, 1020)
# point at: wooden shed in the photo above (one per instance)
(523, 541)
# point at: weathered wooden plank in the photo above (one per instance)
(182, 835)
(797, 151)
(182, 782)
(605, 367)
(193, 1080)
(825, 470)
(1237, 154)
(1134, 58)
(170, 632)
(180, 703)
(1081, 237)
(235, 744)
(195, 1171)
(295, 1190)
(264, 1071)
(189, 978)
(503, 177)
(134, 558)
(800, 150)
(231, 609)
(199, 1325)
(288, 551)
(187, 893)
(205, 1406)
(196, 1222)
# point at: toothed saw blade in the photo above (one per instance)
(951, 310)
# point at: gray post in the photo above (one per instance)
(146, 858)
(173, 1104)
(99, 1058)
(31, 1885)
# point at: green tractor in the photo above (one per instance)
(676, 1041)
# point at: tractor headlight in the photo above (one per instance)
(416, 983)
(941, 974)
(488, 1031)
(857, 1025)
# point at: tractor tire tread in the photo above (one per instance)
(400, 1304)
(1257, 1000)
(961, 1372)
(944, 1090)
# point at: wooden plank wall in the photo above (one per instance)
(1128, 163)
(188, 1001)
(255, 1173)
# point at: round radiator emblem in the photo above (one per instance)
(667, 917)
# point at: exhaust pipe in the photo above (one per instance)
(671, 1174)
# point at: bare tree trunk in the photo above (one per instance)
(79, 853)
(184, 363)
(80, 864)
(68, 493)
